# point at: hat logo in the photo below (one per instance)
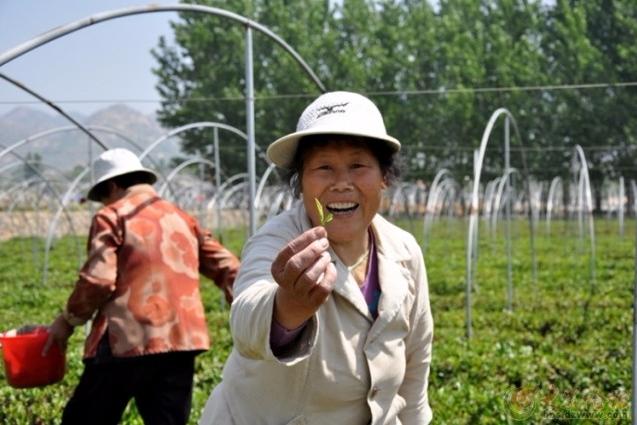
(332, 109)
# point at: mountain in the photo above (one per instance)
(22, 122)
(141, 128)
(64, 150)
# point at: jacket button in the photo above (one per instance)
(373, 392)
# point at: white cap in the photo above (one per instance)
(113, 163)
(338, 112)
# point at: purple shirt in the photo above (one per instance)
(370, 287)
(281, 337)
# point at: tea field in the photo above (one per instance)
(562, 355)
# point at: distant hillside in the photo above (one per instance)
(65, 150)
(22, 122)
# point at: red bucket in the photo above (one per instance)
(24, 365)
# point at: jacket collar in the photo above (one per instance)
(140, 188)
(388, 246)
(131, 198)
(394, 277)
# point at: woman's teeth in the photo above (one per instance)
(341, 207)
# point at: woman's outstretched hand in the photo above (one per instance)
(306, 276)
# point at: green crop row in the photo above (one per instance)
(561, 355)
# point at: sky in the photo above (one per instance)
(109, 61)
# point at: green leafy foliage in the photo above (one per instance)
(562, 353)
(420, 61)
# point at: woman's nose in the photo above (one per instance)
(342, 181)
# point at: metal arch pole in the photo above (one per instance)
(180, 167)
(217, 156)
(225, 184)
(585, 194)
(175, 131)
(8, 149)
(54, 221)
(215, 141)
(620, 211)
(250, 130)
(129, 141)
(264, 178)
(63, 30)
(240, 187)
(47, 182)
(5, 150)
(550, 202)
(472, 235)
(634, 377)
(178, 130)
(69, 128)
(135, 10)
(507, 211)
(432, 199)
(55, 107)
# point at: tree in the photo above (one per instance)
(436, 72)
(584, 42)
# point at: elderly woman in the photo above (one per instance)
(331, 320)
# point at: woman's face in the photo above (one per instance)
(346, 178)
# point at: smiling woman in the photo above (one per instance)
(333, 317)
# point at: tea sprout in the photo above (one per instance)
(324, 218)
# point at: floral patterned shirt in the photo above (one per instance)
(140, 282)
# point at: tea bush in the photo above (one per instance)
(562, 355)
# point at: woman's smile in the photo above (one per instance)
(341, 209)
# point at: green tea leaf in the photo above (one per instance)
(324, 218)
(319, 209)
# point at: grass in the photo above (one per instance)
(562, 355)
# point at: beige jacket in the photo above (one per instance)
(347, 368)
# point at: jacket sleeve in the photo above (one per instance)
(255, 289)
(98, 275)
(217, 263)
(418, 351)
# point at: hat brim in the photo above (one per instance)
(281, 152)
(91, 193)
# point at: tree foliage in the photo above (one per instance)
(436, 70)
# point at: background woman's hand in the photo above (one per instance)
(59, 333)
(306, 276)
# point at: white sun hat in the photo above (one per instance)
(113, 163)
(338, 112)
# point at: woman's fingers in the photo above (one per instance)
(59, 333)
(324, 287)
(298, 255)
(312, 275)
(296, 304)
(305, 274)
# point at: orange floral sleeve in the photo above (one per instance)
(216, 262)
